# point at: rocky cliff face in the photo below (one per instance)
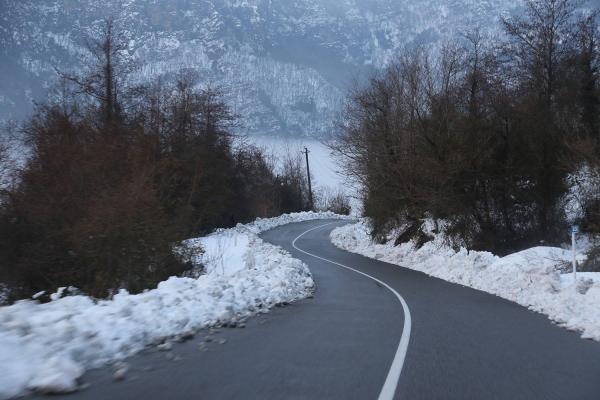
(285, 64)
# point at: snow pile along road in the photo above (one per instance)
(47, 347)
(530, 278)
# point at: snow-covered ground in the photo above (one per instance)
(531, 277)
(47, 347)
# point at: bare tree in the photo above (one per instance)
(587, 60)
(105, 75)
(541, 40)
(4, 164)
(540, 44)
(474, 136)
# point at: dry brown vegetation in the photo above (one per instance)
(119, 174)
(482, 135)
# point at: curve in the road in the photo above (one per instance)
(337, 345)
(391, 382)
(464, 344)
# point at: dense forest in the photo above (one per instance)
(118, 173)
(496, 139)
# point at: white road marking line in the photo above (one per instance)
(391, 381)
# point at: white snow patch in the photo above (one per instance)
(38, 295)
(47, 347)
(531, 277)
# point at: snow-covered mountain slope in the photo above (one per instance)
(285, 63)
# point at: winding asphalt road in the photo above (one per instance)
(372, 330)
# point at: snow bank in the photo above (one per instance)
(47, 347)
(530, 277)
(264, 224)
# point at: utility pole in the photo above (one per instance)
(310, 195)
(574, 232)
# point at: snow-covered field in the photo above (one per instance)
(47, 347)
(530, 278)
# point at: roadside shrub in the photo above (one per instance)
(117, 176)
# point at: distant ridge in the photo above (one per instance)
(286, 65)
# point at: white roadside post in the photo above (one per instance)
(574, 232)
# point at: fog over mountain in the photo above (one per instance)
(285, 64)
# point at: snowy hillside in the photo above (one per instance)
(285, 64)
